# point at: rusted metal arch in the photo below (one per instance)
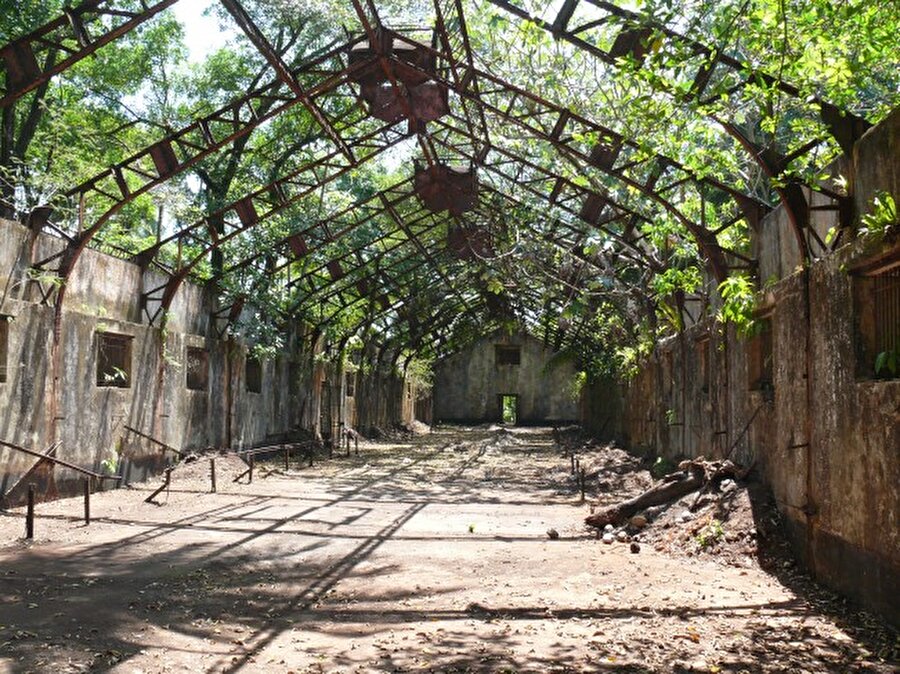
(605, 159)
(159, 162)
(369, 216)
(350, 281)
(417, 260)
(450, 24)
(294, 238)
(382, 312)
(558, 196)
(844, 126)
(117, 176)
(608, 148)
(274, 197)
(433, 324)
(262, 44)
(564, 247)
(20, 67)
(709, 247)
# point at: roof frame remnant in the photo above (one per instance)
(596, 202)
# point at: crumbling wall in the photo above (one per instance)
(467, 385)
(383, 398)
(824, 434)
(41, 404)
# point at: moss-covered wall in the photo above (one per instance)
(825, 435)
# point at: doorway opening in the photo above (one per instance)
(509, 408)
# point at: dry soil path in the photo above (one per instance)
(425, 555)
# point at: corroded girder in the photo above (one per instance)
(243, 19)
(714, 65)
(78, 33)
(111, 190)
(266, 202)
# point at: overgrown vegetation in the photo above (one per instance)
(599, 290)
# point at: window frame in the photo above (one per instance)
(253, 382)
(193, 385)
(108, 343)
(507, 349)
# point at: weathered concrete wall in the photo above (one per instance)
(383, 398)
(89, 420)
(826, 438)
(467, 385)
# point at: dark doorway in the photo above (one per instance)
(509, 408)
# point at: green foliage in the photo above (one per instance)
(661, 467)
(711, 534)
(887, 363)
(738, 303)
(600, 296)
(882, 218)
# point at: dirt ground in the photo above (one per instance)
(428, 554)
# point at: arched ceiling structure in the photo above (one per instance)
(489, 201)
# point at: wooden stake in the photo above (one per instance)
(87, 501)
(29, 513)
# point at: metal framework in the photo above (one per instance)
(590, 180)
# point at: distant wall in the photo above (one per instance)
(823, 431)
(467, 385)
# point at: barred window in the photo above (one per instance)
(505, 354)
(877, 313)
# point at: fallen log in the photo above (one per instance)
(693, 475)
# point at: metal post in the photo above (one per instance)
(87, 501)
(356, 440)
(286, 456)
(29, 513)
(250, 474)
(572, 461)
(582, 484)
(312, 451)
(212, 475)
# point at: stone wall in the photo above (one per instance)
(89, 420)
(823, 432)
(467, 385)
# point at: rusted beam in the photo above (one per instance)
(243, 19)
(60, 462)
(156, 442)
(20, 59)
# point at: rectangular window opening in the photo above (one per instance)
(760, 356)
(351, 384)
(197, 368)
(113, 360)
(253, 373)
(702, 345)
(4, 347)
(295, 373)
(506, 354)
(876, 298)
(668, 373)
